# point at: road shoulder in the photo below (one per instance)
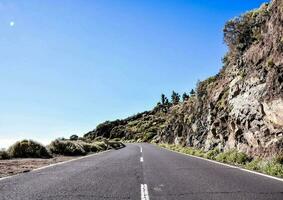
(225, 164)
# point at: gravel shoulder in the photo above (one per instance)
(16, 166)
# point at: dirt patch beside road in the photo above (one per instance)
(16, 166)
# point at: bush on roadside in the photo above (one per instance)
(232, 157)
(255, 164)
(273, 168)
(212, 154)
(101, 145)
(78, 147)
(89, 147)
(67, 148)
(4, 155)
(279, 158)
(148, 136)
(93, 146)
(28, 149)
(185, 150)
(198, 152)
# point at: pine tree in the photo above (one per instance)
(164, 104)
(185, 96)
(163, 99)
(192, 93)
(167, 103)
(175, 98)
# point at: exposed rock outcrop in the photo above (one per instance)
(241, 107)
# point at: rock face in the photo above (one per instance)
(241, 107)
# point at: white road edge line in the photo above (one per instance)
(51, 165)
(144, 192)
(231, 166)
(141, 159)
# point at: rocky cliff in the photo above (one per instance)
(241, 107)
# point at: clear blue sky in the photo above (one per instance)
(69, 65)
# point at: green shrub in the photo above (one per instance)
(238, 157)
(89, 147)
(198, 152)
(210, 80)
(279, 158)
(28, 149)
(148, 136)
(212, 154)
(255, 164)
(189, 151)
(232, 157)
(185, 150)
(242, 31)
(163, 145)
(101, 145)
(273, 168)
(4, 155)
(222, 157)
(96, 146)
(67, 148)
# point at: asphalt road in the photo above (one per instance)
(123, 174)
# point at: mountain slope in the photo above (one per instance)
(241, 107)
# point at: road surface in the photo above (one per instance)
(140, 171)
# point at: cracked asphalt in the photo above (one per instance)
(118, 174)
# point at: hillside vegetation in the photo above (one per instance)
(272, 166)
(240, 108)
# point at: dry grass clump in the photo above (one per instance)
(67, 148)
(32, 149)
(78, 147)
(28, 149)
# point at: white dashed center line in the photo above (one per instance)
(144, 192)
